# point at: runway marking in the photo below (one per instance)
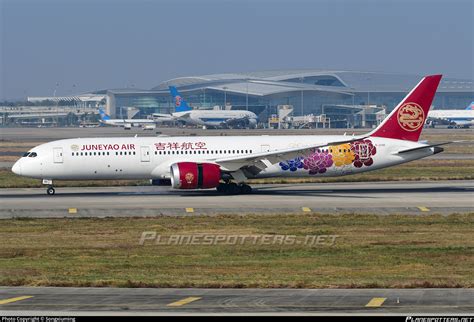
(306, 209)
(14, 299)
(72, 210)
(423, 209)
(376, 302)
(184, 301)
(189, 209)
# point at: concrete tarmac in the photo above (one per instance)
(123, 301)
(444, 197)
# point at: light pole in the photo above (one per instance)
(225, 97)
(247, 96)
(302, 103)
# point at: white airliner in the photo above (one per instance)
(226, 162)
(459, 117)
(126, 123)
(208, 118)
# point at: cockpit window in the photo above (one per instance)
(32, 155)
(26, 154)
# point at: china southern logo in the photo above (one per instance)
(178, 101)
(75, 147)
(410, 117)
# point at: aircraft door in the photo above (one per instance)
(265, 148)
(145, 154)
(58, 155)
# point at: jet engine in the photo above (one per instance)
(192, 175)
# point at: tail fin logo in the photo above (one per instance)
(411, 117)
(178, 100)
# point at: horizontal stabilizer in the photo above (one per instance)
(427, 147)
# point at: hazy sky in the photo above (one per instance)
(87, 45)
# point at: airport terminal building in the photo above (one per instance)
(308, 91)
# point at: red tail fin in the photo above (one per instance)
(407, 119)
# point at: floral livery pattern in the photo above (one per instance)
(292, 165)
(342, 155)
(363, 152)
(358, 153)
(317, 162)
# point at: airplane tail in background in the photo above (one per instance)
(406, 120)
(179, 103)
(470, 106)
(103, 115)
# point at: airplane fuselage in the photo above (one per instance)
(152, 157)
(457, 116)
(215, 118)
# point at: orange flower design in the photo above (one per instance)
(342, 155)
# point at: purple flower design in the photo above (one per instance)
(363, 152)
(317, 162)
(292, 165)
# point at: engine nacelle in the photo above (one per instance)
(192, 175)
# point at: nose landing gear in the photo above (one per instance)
(50, 190)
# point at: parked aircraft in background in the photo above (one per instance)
(226, 163)
(207, 118)
(125, 123)
(460, 118)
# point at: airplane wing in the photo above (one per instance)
(253, 164)
(183, 116)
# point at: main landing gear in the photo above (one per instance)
(233, 188)
(50, 190)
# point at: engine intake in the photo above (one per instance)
(192, 175)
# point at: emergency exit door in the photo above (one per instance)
(145, 153)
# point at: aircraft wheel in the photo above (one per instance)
(232, 189)
(245, 189)
(50, 191)
(221, 188)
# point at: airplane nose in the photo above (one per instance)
(16, 169)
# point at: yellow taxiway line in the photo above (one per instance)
(424, 209)
(14, 299)
(376, 302)
(184, 301)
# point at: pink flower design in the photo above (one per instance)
(363, 152)
(317, 162)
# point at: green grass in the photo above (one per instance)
(417, 170)
(371, 251)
